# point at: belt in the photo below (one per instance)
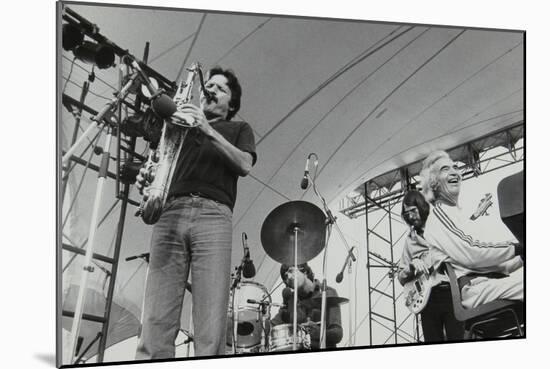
(190, 194)
(197, 194)
(465, 279)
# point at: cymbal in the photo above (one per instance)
(331, 300)
(277, 232)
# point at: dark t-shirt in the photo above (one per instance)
(202, 168)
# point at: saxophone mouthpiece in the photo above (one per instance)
(210, 97)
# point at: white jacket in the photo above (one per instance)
(446, 233)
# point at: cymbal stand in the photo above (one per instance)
(102, 175)
(330, 221)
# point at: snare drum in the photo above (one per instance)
(280, 338)
(249, 317)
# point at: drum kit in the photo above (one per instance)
(292, 234)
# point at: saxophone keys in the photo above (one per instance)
(155, 156)
(150, 175)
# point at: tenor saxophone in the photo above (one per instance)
(161, 162)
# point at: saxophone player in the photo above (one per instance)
(194, 232)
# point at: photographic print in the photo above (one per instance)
(235, 184)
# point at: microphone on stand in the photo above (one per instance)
(340, 276)
(305, 180)
(249, 270)
(209, 96)
(145, 256)
(257, 302)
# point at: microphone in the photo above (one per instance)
(305, 181)
(145, 256)
(340, 275)
(249, 270)
(209, 96)
(164, 106)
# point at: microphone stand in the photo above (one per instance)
(351, 307)
(330, 221)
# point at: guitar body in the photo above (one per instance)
(417, 293)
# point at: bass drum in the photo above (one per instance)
(280, 338)
(245, 321)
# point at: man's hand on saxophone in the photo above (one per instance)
(197, 116)
(143, 180)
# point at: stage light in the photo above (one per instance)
(72, 36)
(103, 56)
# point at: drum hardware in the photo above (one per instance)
(265, 303)
(331, 300)
(281, 338)
(190, 337)
(246, 318)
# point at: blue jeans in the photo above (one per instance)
(193, 233)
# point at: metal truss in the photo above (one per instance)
(481, 156)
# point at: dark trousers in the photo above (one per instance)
(438, 320)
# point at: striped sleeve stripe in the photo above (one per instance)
(467, 238)
(448, 223)
(452, 226)
(470, 238)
